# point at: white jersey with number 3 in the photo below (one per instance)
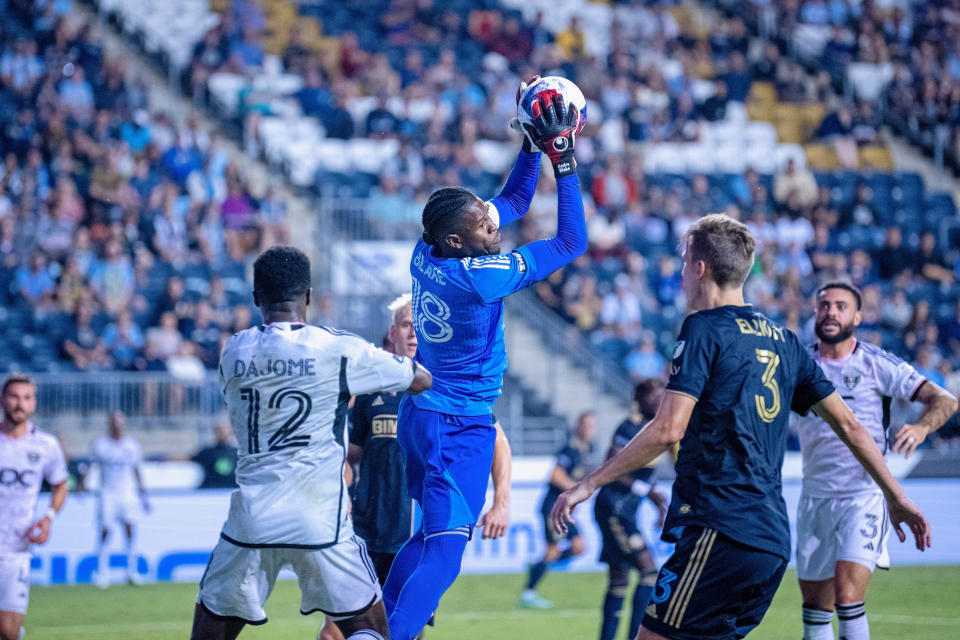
(287, 387)
(867, 380)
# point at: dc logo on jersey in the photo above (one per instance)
(661, 593)
(33, 457)
(678, 348)
(851, 377)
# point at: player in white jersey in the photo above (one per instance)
(287, 386)
(118, 456)
(27, 457)
(842, 524)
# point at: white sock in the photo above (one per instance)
(366, 634)
(853, 621)
(817, 624)
(131, 557)
(103, 558)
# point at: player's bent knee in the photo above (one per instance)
(374, 619)
(576, 546)
(9, 628)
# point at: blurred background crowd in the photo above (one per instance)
(125, 235)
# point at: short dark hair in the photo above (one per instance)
(725, 245)
(443, 214)
(281, 274)
(15, 379)
(846, 286)
(643, 390)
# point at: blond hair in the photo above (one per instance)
(398, 305)
(725, 245)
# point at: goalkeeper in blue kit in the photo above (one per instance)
(459, 282)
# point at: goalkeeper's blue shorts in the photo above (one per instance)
(448, 460)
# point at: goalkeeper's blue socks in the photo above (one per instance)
(612, 604)
(418, 598)
(403, 565)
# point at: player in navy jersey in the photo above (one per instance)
(735, 377)
(569, 470)
(459, 281)
(616, 510)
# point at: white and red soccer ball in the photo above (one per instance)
(551, 85)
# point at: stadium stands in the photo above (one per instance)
(368, 105)
(124, 233)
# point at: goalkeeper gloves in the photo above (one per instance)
(528, 145)
(554, 130)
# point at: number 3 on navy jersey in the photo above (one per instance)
(430, 315)
(772, 360)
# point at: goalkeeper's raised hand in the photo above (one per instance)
(528, 144)
(554, 130)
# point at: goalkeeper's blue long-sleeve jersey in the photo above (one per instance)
(458, 304)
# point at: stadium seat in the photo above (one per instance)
(821, 156)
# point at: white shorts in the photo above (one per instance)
(119, 508)
(338, 581)
(853, 529)
(14, 582)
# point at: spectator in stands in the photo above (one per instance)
(76, 94)
(219, 460)
(715, 107)
(645, 362)
(35, 284)
(737, 79)
(336, 118)
(571, 41)
(123, 341)
(893, 257)
(621, 316)
(861, 210)
(20, 68)
(930, 261)
(82, 344)
(111, 279)
(209, 56)
(837, 130)
(792, 84)
(202, 330)
(795, 181)
(163, 342)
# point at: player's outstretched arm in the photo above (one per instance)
(661, 433)
(844, 423)
(514, 199)
(496, 520)
(422, 379)
(939, 404)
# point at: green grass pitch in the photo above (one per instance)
(920, 603)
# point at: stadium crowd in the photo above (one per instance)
(902, 56)
(163, 222)
(123, 234)
(444, 79)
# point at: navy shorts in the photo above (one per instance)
(551, 536)
(448, 462)
(621, 537)
(712, 587)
